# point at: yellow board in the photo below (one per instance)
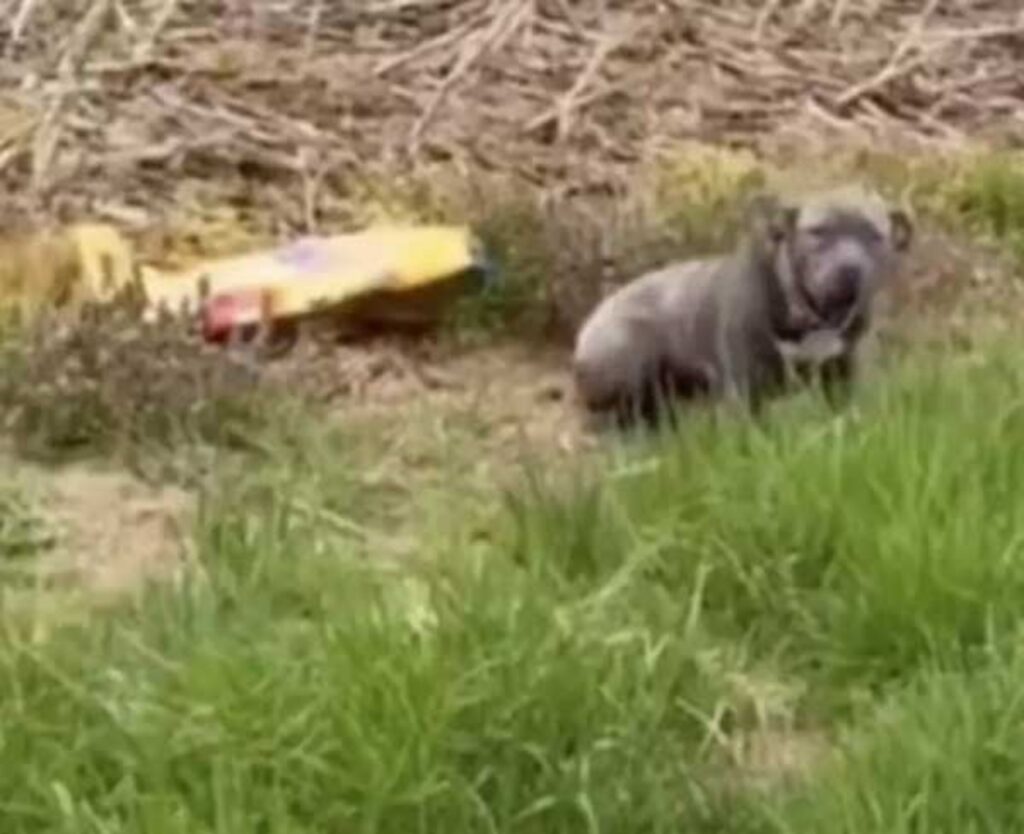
(323, 272)
(94, 262)
(424, 254)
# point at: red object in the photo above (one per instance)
(225, 313)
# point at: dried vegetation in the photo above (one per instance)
(106, 382)
(141, 109)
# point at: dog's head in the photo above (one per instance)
(829, 253)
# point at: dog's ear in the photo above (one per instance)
(902, 230)
(770, 220)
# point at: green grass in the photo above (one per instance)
(293, 688)
(587, 665)
(862, 545)
(945, 755)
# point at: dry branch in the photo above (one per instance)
(275, 107)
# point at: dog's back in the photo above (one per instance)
(629, 335)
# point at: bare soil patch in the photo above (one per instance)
(424, 419)
(433, 416)
(112, 531)
(520, 391)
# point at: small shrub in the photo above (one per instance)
(973, 193)
(23, 532)
(107, 382)
(989, 195)
(701, 190)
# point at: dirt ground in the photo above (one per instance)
(521, 393)
(462, 420)
(111, 530)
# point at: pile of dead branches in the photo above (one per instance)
(128, 108)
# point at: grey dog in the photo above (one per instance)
(795, 296)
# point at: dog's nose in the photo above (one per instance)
(845, 288)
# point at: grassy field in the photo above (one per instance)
(813, 624)
(810, 624)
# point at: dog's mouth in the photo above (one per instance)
(814, 332)
(803, 315)
(833, 312)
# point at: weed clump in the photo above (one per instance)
(107, 382)
(989, 195)
(23, 532)
(975, 194)
(559, 252)
(700, 191)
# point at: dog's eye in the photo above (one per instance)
(817, 235)
(873, 237)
